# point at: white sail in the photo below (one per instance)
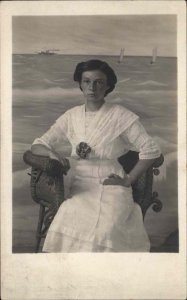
(154, 55)
(121, 55)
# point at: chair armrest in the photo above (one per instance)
(142, 188)
(52, 167)
(158, 161)
(46, 184)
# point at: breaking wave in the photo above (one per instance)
(46, 93)
(152, 83)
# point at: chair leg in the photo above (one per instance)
(39, 228)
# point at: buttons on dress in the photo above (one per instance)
(89, 117)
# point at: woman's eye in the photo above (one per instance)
(100, 82)
(86, 81)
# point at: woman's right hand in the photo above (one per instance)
(66, 164)
(64, 161)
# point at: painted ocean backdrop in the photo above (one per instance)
(43, 89)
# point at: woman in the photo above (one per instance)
(99, 214)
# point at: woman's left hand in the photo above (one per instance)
(114, 179)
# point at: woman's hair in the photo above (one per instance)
(95, 64)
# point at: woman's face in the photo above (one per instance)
(94, 85)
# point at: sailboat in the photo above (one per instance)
(154, 55)
(121, 55)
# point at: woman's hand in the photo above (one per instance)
(66, 165)
(114, 179)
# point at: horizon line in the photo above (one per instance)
(114, 55)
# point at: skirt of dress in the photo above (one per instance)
(96, 217)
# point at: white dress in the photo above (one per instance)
(96, 217)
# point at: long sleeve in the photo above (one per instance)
(56, 135)
(138, 138)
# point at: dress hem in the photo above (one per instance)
(108, 244)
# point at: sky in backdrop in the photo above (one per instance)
(96, 35)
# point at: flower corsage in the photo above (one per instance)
(83, 150)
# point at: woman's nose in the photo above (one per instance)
(92, 86)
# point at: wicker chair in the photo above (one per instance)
(47, 188)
